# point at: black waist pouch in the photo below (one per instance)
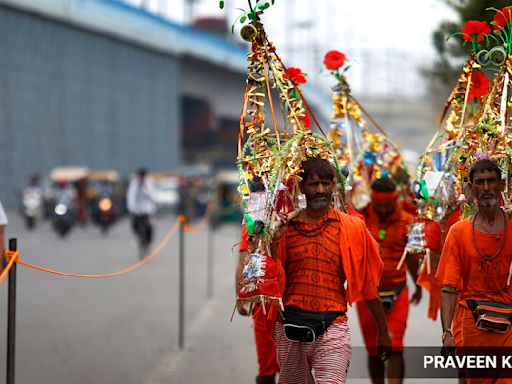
(388, 297)
(491, 316)
(306, 326)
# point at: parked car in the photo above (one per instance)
(167, 193)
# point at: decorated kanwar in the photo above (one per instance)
(439, 193)
(475, 269)
(302, 260)
(376, 189)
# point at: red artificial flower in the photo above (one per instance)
(475, 30)
(334, 60)
(502, 17)
(479, 85)
(305, 121)
(295, 75)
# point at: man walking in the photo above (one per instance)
(141, 205)
(388, 222)
(476, 267)
(320, 250)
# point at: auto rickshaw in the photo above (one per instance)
(106, 197)
(227, 198)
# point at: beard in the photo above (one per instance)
(488, 200)
(318, 202)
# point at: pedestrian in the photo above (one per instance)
(475, 268)
(320, 250)
(388, 222)
(3, 223)
(141, 205)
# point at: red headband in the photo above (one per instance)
(384, 196)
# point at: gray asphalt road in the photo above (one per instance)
(125, 329)
(72, 330)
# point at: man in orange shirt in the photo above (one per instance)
(320, 250)
(387, 222)
(475, 266)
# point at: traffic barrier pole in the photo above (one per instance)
(181, 322)
(209, 260)
(11, 317)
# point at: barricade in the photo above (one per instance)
(13, 259)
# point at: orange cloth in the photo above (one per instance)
(451, 219)
(433, 286)
(265, 344)
(392, 243)
(396, 319)
(244, 239)
(409, 207)
(429, 281)
(464, 269)
(353, 212)
(360, 263)
(271, 285)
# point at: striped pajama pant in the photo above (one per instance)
(329, 357)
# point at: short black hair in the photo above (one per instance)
(484, 165)
(318, 166)
(142, 172)
(384, 184)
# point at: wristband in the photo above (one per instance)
(448, 289)
(445, 332)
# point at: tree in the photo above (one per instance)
(452, 53)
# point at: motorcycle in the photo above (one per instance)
(32, 205)
(63, 216)
(63, 219)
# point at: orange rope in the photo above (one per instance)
(204, 221)
(146, 259)
(13, 257)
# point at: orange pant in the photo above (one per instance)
(396, 319)
(265, 344)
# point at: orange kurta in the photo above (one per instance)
(463, 268)
(391, 236)
(360, 265)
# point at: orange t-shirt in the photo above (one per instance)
(464, 269)
(451, 219)
(392, 238)
(320, 257)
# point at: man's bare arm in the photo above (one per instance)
(383, 339)
(413, 266)
(448, 302)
